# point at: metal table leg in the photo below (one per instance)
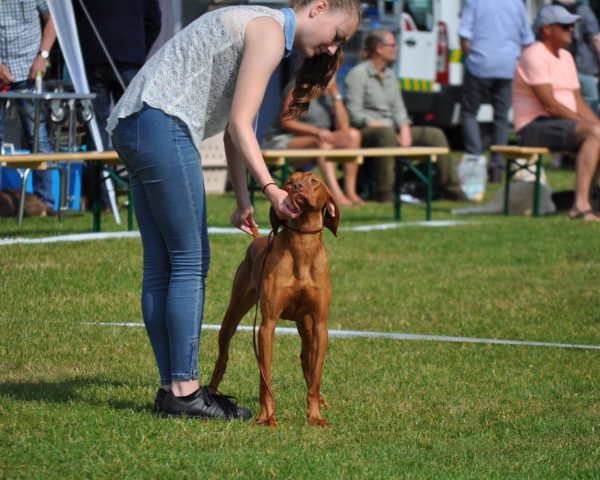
(21, 211)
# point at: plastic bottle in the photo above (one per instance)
(38, 81)
(472, 173)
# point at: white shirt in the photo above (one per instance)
(193, 76)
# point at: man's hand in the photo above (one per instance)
(376, 123)
(5, 75)
(404, 138)
(38, 64)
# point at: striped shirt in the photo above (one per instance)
(20, 34)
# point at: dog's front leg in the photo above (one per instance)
(266, 340)
(320, 337)
(305, 326)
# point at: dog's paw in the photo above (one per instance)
(319, 422)
(322, 402)
(267, 422)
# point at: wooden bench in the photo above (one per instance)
(277, 158)
(533, 157)
(42, 161)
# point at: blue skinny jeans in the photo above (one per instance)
(168, 193)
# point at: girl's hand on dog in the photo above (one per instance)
(282, 204)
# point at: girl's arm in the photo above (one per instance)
(263, 50)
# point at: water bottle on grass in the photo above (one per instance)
(472, 173)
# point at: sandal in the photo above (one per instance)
(583, 215)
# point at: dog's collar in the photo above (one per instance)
(304, 232)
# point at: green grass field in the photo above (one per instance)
(75, 397)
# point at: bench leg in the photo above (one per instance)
(62, 192)
(508, 176)
(397, 190)
(429, 188)
(97, 207)
(252, 188)
(537, 187)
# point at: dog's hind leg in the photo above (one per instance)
(243, 296)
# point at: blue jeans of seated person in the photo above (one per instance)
(168, 196)
(42, 180)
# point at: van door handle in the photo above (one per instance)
(410, 42)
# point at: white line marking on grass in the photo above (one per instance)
(386, 335)
(81, 237)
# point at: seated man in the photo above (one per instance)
(376, 107)
(548, 107)
(325, 125)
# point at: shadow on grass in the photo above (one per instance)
(74, 390)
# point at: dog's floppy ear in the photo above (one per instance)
(331, 214)
(276, 222)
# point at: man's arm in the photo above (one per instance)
(556, 109)
(48, 38)
(467, 20)
(465, 46)
(5, 74)
(584, 110)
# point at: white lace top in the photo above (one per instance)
(193, 76)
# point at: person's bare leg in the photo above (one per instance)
(327, 168)
(349, 138)
(350, 176)
(585, 169)
(328, 173)
(182, 388)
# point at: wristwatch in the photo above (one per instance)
(337, 97)
(44, 53)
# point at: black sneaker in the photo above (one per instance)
(204, 405)
(159, 400)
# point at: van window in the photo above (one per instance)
(421, 12)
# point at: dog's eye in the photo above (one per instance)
(313, 181)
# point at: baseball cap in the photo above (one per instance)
(550, 14)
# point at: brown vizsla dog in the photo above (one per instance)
(289, 272)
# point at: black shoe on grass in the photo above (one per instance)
(203, 404)
(159, 400)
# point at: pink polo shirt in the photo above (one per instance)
(538, 66)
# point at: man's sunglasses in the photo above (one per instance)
(565, 26)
